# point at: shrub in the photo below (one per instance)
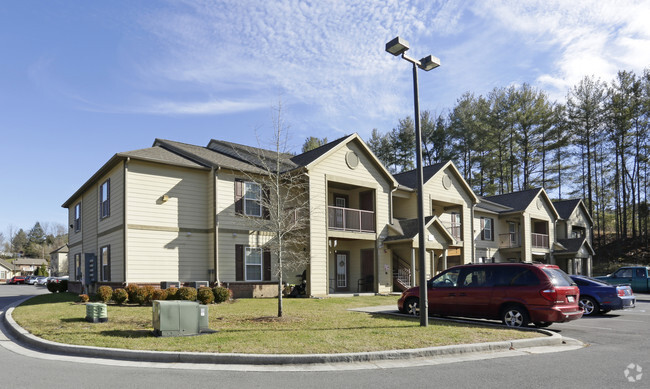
(105, 293)
(143, 295)
(131, 290)
(159, 294)
(52, 287)
(221, 294)
(120, 296)
(84, 298)
(172, 293)
(187, 293)
(205, 295)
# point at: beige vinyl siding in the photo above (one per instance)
(89, 219)
(188, 203)
(116, 218)
(579, 218)
(543, 213)
(226, 202)
(183, 257)
(168, 240)
(116, 242)
(334, 168)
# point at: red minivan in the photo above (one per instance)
(515, 293)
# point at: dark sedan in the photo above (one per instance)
(600, 297)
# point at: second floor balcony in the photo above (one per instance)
(511, 240)
(539, 241)
(350, 219)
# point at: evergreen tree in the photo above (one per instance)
(313, 143)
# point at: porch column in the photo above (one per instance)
(444, 259)
(412, 266)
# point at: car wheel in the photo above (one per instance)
(589, 305)
(515, 316)
(542, 324)
(412, 305)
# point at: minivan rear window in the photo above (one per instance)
(558, 277)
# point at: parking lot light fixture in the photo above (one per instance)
(399, 46)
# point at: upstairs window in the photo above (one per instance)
(252, 196)
(486, 228)
(77, 217)
(105, 199)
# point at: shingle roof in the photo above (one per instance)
(6, 265)
(310, 156)
(409, 228)
(566, 207)
(518, 201)
(573, 245)
(160, 154)
(255, 156)
(30, 261)
(409, 178)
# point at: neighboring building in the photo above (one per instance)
(59, 262)
(575, 233)
(180, 212)
(6, 270)
(27, 266)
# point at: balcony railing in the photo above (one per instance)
(455, 230)
(539, 240)
(510, 240)
(348, 219)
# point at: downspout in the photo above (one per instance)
(124, 219)
(214, 174)
(473, 243)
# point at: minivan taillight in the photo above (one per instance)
(549, 294)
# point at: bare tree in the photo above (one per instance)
(284, 200)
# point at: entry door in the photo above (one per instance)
(368, 270)
(342, 271)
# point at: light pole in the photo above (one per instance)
(397, 47)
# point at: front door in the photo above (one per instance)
(367, 280)
(342, 266)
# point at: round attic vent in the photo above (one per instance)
(539, 204)
(446, 181)
(352, 159)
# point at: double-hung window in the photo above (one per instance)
(486, 228)
(253, 263)
(105, 199)
(252, 197)
(77, 217)
(105, 257)
(77, 266)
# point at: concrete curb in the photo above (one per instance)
(23, 336)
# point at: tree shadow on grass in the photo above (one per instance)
(73, 320)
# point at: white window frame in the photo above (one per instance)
(77, 217)
(487, 228)
(252, 193)
(247, 251)
(105, 199)
(105, 261)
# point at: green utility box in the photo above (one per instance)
(96, 313)
(179, 318)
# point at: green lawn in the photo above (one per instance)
(251, 326)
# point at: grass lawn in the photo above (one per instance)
(251, 326)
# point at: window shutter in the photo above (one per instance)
(239, 262)
(492, 229)
(239, 194)
(266, 264)
(108, 268)
(482, 228)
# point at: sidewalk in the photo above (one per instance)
(20, 335)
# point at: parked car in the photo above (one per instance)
(16, 280)
(597, 296)
(42, 280)
(636, 276)
(31, 280)
(58, 279)
(515, 293)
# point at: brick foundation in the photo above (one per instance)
(252, 289)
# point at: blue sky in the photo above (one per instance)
(83, 80)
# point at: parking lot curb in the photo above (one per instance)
(21, 335)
